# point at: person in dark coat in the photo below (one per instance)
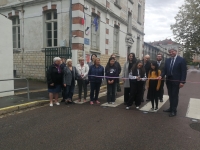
(111, 72)
(161, 65)
(117, 64)
(137, 76)
(54, 80)
(62, 66)
(175, 71)
(147, 67)
(95, 82)
(69, 77)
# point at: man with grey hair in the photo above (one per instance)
(147, 67)
(175, 71)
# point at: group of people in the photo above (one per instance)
(137, 75)
(62, 76)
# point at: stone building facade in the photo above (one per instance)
(100, 27)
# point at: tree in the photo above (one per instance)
(188, 55)
(187, 26)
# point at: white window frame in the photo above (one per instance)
(139, 20)
(95, 34)
(116, 40)
(53, 36)
(17, 35)
(129, 23)
(138, 47)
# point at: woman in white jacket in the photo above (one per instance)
(131, 60)
(83, 70)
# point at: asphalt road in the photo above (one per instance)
(85, 127)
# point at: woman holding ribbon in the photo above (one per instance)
(137, 77)
(95, 76)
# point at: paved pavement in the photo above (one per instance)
(85, 127)
(38, 91)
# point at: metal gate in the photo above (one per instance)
(50, 53)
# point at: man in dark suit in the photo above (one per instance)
(176, 72)
(161, 66)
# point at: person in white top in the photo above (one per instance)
(83, 70)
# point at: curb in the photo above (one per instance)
(19, 107)
(10, 109)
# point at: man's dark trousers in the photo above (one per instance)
(173, 92)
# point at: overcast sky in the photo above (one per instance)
(159, 16)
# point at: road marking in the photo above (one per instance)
(148, 106)
(193, 110)
(118, 102)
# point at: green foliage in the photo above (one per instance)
(187, 26)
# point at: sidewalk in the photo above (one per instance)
(38, 94)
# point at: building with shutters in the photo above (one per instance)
(100, 27)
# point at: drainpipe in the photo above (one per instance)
(22, 39)
(70, 25)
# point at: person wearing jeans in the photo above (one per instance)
(95, 76)
(83, 70)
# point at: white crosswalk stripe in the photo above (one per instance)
(118, 102)
(193, 110)
(148, 106)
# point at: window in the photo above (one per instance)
(16, 32)
(116, 40)
(138, 47)
(139, 14)
(95, 32)
(129, 23)
(117, 4)
(51, 29)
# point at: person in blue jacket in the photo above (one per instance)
(95, 71)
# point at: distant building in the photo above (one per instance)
(152, 51)
(168, 44)
(100, 27)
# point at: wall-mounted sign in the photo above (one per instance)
(86, 41)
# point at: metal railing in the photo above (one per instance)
(18, 89)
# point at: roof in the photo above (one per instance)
(164, 42)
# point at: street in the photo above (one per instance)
(86, 127)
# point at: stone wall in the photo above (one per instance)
(31, 64)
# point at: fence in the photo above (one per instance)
(25, 88)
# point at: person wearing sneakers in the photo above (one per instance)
(137, 77)
(54, 80)
(95, 74)
(110, 72)
(153, 85)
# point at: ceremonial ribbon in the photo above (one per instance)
(145, 78)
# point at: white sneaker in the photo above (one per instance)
(51, 104)
(137, 107)
(127, 108)
(113, 103)
(57, 103)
